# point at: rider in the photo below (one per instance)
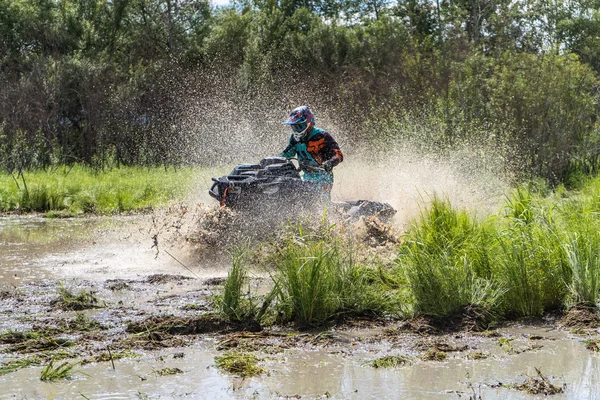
(316, 149)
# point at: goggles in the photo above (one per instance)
(299, 127)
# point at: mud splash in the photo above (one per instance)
(34, 247)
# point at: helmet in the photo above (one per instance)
(301, 120)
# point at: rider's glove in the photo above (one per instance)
(327, 166)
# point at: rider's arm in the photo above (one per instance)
(290, 150)
(332, 153)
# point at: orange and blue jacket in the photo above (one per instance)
(319, 148)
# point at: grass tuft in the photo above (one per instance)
(316, 279)
(233, 303)
(69, 301)
(52, 372)
(240, 364)
(15, 365)
(583, 260)
(445, 257)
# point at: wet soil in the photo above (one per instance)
(166, 323)
(146, 328)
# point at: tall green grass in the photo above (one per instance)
(445, 260)
(539, 253)
(315, 279)
(233, 302)
(583, 258)
(83, 190)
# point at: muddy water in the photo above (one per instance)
(90, 251)
(337, 372)
(95, 248)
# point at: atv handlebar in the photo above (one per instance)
(313, 169)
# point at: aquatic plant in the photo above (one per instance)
(583, 259)
(390, 362)
(241, 364)
(82, 323)
(15, 365)
(531, 265)
(11, 336)
(538, 385)
(41, 343)
(52, 372)
(110, 356)
(477, 355)
(168, 371)
(434, 355)
(233, 302)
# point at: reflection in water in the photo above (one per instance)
(561, 359)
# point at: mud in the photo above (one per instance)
(153, 333)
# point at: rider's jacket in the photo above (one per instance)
(319, 148)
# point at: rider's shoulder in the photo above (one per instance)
(318, 132)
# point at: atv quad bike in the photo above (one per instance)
(275, 185)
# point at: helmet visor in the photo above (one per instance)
(299, 127)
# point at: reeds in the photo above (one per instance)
(583, 258)
(316, 279)
(540, 253)
(234, 303)
(445, 259)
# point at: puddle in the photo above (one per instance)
(113, 257)
(34, 248)
(324, 373)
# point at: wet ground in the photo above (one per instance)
(148, 336)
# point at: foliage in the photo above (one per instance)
(69, 301)
(390, 362)
(233, 302)
(583, 257)
(446, 261)
(17, 364)
(107, 83)
(540, 254)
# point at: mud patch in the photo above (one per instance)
(472, 318)
(190, 326)
(157, 279)
(581, 316)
